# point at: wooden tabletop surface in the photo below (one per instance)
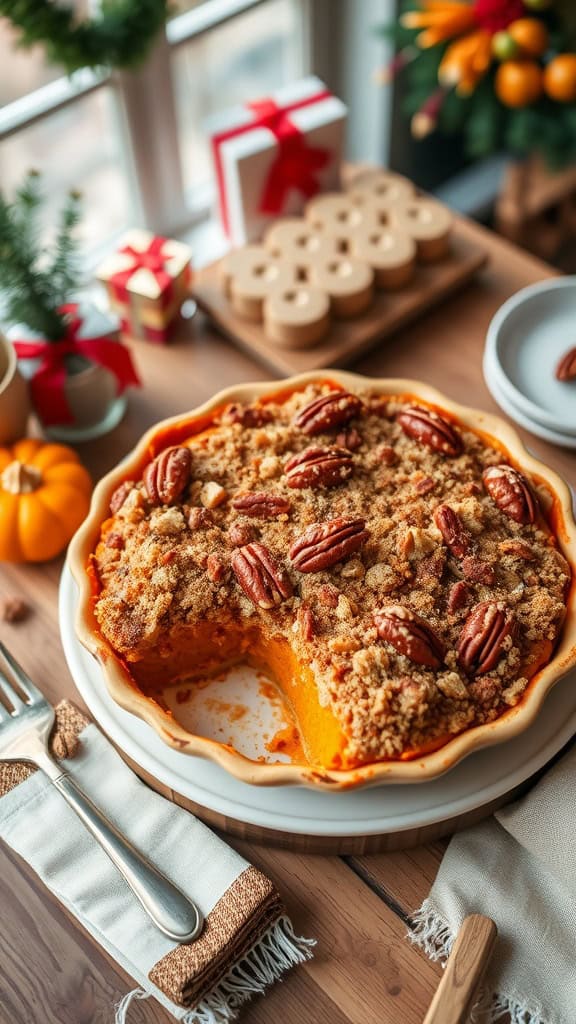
(364, 970)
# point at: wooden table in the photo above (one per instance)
(364, 971)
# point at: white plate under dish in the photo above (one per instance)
(519, 417)
(481, 778)
(525, 341)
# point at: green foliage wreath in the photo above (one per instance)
(118, 37)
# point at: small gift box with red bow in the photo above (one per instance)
(272, 155)
(147, 280)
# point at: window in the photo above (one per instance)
(134, 144)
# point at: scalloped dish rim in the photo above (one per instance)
(422, 768)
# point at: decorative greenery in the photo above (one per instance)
(434, 97)
(119, 37)
(33, 282)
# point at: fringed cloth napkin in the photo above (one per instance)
(247, 941)
(519, 868)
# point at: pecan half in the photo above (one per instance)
(167, 476)
(431, 429)
(410, 635)
(265, 582)
(511, 492)
(247, 415)
(454, 534)
(325, 544)
(480, 646)
(319, 467)
(328, 411)
(261, 504)
(459, 596)
(566, 369)
(119, 496)
(349, 438)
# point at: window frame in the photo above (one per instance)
(146, 108)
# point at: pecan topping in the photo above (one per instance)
(511, 492)
(459, 596)
(349, 439)
(115, 540)
(167, 476)
(431, 429)
(333, 410)
(425, 485)
(477, 570)
(566, 369)
(517, 548)
(306, 622)
(454, 535)
(328, 595)
(325, 544)
(481, 642)
(215, 568)
(247, 415)
(261, 504)
(260, 576)
(387, 455)
(240, 534)
(410, 635)
(120, 495)
(319, 467)
(199, 518)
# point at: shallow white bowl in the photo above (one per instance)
(525, 341)
(516, 414)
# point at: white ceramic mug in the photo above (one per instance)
(14, 396)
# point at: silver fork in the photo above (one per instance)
(24, 735)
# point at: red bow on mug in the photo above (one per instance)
(47, 384)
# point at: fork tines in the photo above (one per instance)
(22, 678)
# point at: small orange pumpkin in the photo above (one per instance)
(44, 496)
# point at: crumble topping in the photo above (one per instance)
(164, 566)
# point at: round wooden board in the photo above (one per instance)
(382, 843)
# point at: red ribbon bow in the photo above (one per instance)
(153, 259)
(47, 384)
(296, 164)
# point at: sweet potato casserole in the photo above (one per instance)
(389, 566)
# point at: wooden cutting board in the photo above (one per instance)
(347, 340)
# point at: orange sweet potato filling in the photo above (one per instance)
(195, 652)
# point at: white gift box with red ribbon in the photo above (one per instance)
(272, 155)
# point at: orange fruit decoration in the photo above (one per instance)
(560, 78)
(518, 83)
(530, 35)
(44, 496)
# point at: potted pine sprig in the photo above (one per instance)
(69, 350)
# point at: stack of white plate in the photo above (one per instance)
(526, 340)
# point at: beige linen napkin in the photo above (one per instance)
(247, 941)
(519, 868)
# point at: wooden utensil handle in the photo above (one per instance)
(466, 965)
